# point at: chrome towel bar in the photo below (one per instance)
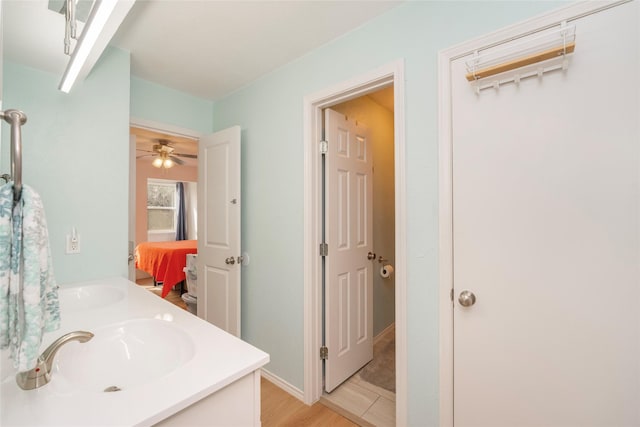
(16, 119)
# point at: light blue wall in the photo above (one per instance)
(270, 114)
(160, 104)
(76, 155)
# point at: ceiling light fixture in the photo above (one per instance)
(103, 21)
(163, 161)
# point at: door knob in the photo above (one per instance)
(231, 260)
(371, 256)
(467, 298)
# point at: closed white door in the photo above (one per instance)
(219, 229)
(348, 267)
(546, 220)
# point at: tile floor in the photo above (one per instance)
(363, 403)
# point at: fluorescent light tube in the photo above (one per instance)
(100, 13)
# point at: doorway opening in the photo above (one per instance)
(359, 224)
(388, 79)
(161, 157)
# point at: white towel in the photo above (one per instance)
(28, 291)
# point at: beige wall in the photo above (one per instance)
(379, 120)
(145, 170)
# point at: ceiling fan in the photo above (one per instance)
(165, 156)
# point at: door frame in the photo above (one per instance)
(164, 128)
(313, 104)
(445, 170)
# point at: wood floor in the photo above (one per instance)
(173, 296)
(279, 408)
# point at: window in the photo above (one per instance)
(161, 206)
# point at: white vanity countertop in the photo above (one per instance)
(218, 360)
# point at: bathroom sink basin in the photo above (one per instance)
(88, 297)
(124, 355)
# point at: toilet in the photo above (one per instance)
(191, 296)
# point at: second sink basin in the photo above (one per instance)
(88, 297)
(124, 355)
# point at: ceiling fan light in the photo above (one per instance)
(157, 162)
(167, 163)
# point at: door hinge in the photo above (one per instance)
(324, 353)
(324, 147)
(324, 249)
(451, 294)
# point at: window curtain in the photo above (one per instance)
(181, 222)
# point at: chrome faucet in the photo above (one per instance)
(41, 374)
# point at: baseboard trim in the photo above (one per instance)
(292, 390)
(384, 332)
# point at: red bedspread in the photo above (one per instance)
(165, 261)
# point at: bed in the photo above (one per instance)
(165, 261)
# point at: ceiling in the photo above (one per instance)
(383, 97)
(205, 48)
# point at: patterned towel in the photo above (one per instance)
(28, 291)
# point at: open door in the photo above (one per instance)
(349, 235)
(219, 229)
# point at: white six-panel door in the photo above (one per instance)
(349, 232)
(546, 220)
(219, 229)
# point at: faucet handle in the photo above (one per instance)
(35, 378)
(41, 374)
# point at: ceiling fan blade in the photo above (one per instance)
(145, 155)
(190, 156)
(177, 160)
